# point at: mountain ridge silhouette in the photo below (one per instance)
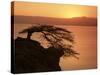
(79, 21)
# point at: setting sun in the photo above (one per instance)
(71, 14)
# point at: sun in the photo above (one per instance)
(70, 13)
(73, 14)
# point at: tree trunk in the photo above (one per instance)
(29, 35)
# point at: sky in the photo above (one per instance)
(85, 36)
(54, 10)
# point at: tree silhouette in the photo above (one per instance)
(55, 37)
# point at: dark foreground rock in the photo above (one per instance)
(30, 56)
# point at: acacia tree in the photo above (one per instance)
(55, 37)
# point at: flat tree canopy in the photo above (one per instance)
(55, 37)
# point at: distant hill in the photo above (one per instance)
(83, 21)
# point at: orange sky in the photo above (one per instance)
(54, 10)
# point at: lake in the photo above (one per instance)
(85, 43)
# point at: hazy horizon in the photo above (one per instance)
(55, 21)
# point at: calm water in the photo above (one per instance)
(85, 44)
